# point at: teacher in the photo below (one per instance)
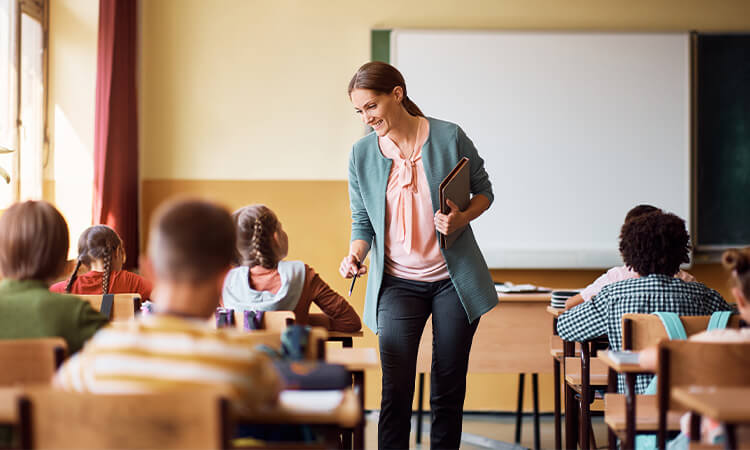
(394, 175)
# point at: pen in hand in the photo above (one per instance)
(354, 278)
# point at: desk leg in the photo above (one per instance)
(519, 408)
(629, 411)
(558, 425)
(359, 429)
(420, 408)
(571, 407)
(585, 422)
(535, 393)
(730, 441)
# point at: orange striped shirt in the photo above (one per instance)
(158, 352)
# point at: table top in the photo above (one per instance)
(646, 413)
(347, 414)
(530, 297)
(598, 371)
(621, 367)
(342, 334)
(353, 358)
(725, 404)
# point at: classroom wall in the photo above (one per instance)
(69, 173)
(245, 101)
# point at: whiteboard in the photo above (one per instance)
(575, 129)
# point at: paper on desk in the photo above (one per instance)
(510, 288)
(624, 357)
(311, 401)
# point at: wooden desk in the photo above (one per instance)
(346, 339)
(511, 338)
(729, 405)
(620, 367)
(356, 361)
(347, 415)
(615, 414)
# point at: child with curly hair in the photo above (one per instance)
(653, 245)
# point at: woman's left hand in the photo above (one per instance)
(448, 223)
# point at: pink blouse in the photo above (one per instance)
(412, 250)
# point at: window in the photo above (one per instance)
(23, 98)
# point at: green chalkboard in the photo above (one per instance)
(722, 159)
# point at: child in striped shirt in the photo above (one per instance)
(191, 247)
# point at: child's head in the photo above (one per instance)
(738, 262)
(190, 248)
(655, 243)
(100, 248)
(639, 211)
(33, 241)
(261, 240)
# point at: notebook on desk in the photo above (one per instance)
(455, 187)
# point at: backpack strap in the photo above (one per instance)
(719, 320)
(673, 325)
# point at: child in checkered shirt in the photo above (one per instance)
(618, 273)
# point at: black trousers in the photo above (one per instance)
(403, 309)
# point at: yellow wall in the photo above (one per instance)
(244, 101)
(72, 75)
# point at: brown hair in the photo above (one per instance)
(97, 242)
(256, 225)
(33, 241)
(738, 262)
(190, 240)
(381, 77)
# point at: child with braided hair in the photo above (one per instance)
(265, 282)
(101, 249)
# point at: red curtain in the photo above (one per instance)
(116, 128)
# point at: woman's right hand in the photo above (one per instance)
(349, 266)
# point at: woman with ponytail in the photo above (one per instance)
(265, 282)
(394, 176)
(101, 250)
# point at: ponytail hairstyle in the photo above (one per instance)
(383, 78)
(99, 242)
(738, 262)
(255, 226)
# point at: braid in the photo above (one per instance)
(107, 270)
(73, 276)
(260, 248)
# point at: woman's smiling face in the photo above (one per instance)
(378, 110)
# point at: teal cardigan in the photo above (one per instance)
(368, 180)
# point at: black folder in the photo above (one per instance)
(456, 188)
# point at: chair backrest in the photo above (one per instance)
(640, 331)
(123, 306)
(30, 361)
(62, 420)
(686, 363)
(316, 344)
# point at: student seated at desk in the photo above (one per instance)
(654, 245)
(33, 250)
(738, 263)
(618, 273)
(191, 247)
(100, 248)
(264, 282)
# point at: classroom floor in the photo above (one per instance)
(496, 431)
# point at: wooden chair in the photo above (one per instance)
(61, 420)
(29, 361)
(685, 364)
(641, 331)
(115, 306)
